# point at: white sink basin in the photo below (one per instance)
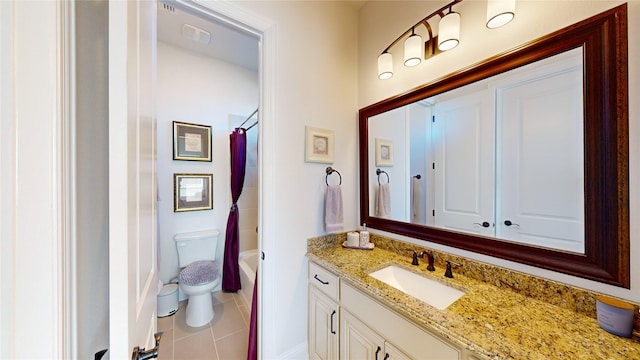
(430, 291)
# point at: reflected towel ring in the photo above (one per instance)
(330, 171)
(378, 172)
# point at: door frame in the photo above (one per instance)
(266, 30)
(37, 178)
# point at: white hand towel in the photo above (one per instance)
(333, 218)
(383, 201)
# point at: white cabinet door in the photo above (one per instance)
(393, 353)
(323, 326)
(358, 341)
(463, 137)
(541, 173)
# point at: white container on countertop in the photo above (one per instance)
(353, 239)
(364, 236)
(615, 316)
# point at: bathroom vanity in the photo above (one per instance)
(353, 315)
(355, 326)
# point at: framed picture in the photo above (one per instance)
(319, 145)
(191, 142)
(384, 152)
(192, 192)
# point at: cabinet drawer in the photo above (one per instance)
(324, 280)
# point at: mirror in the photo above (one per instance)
(501, 157)
(523, 156)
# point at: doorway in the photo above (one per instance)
(208, 74)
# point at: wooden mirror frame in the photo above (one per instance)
(606, 151)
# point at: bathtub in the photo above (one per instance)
(248, 263)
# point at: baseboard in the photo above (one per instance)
(299, 352)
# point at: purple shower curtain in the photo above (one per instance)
(231, 271)
(252, 351)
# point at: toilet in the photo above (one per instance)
(199, 273)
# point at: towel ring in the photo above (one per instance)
(418, 176)
(378, 172)
(330, 171)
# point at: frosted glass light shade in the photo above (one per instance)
(413, 50)
(500, 12)
(385, 66)
(449, 31)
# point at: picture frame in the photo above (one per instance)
(384, 152)
(191, 142)
(192, 192)
(319, 145)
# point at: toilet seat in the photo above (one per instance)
(199, 273)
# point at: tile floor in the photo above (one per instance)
(224, 338)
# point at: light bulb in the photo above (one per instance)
(385, 66)
(449, 31)
(500, 12)
(413, 50)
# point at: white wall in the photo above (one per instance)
(197, 89)
(315, 82)
(380, 22)
(391, 126)
(7, 183)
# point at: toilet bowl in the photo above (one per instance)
(200, 273)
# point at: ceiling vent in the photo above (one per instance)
(166, 7)
(196, 34)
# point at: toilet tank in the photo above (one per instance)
(195, 246)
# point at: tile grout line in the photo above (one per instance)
(213, 338)
(211, 325)
(230, 334)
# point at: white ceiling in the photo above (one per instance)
(227, 44)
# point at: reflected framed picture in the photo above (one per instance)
(384, 152)
(191, 142)
(192, 192)
(319, 145)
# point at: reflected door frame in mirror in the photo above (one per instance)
(606, 151)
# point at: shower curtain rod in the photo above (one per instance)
(254, 124)
(250, 116)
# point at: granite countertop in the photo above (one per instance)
(489, 321)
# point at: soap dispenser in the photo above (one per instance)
(364, 236)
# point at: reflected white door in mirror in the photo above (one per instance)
(500, 158)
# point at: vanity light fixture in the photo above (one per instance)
(499, 13)
(412, 49)
(415, 50)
